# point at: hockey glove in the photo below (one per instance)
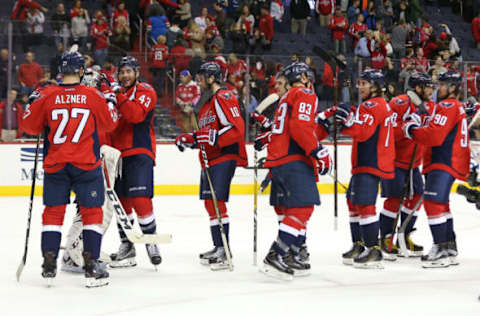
(206, 136)
(261, 120)
(343, 115)
(322, 117)
(262, 140)
(412, 122)
(33, 96)
(116, 87)
(323, 159)
(111, 97)
(185, 140)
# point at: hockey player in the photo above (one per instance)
(222, 133)
(71, 115)
(447, 157)
(373, 153)
(295, 157)
(417, 98)
(135, 138)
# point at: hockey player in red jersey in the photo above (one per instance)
(373, 153)
(295, 157)
(71, 116)
(447, 157)
(417, 98)
(221, 131)
(135, 138)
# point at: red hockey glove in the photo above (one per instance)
(323, 159)
(413, 121)
(262, 140)
(185, 140)
(260, 119)
(206, 136)
(344, 115)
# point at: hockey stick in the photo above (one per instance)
(474, 120)
(403, 195)
(32, 193)
(122, 219)
(214, 197)
(341, 184)
(255, 201)
(401, 231)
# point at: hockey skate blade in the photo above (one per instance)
(369, 265)
(220, 266)
(92, 282)
(347, 261)
(126, 263)
(49, 282)
(274, 273)
(453, 260)
(441, 263)
(389, 256)
(301, 273)
(410, 254)
(204, 262)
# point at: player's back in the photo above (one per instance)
(72, 116)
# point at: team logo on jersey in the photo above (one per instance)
(447, 104)
(206, 119)
(400, 102)
(28, 154)
(227, 95)
(370, 104)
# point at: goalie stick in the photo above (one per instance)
(122, 219)
(401, 231)
(255, 202)
(29, 220)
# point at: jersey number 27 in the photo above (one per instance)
(64, 116)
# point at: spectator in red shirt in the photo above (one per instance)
(10, 118)
(339, 24)
(187, 95)
(158, 59)
(324, 9)
(29, 74)
(75, 11)
(178, 56)
(265, 26)
(476, 30)
(121, 34)
(100, 33)
(420, 61)
(378, 53)
(120, 12)
(357, 29)
(236, 67)
(19, 11)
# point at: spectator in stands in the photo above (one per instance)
(248, 100)
(197, 60)
(295, 57)
(77, 7)
(157, 23)
(265, 26)
(437, 68)
(356, 30)
(338, 24)
(10, 117)
(46, 79)
(89, 61)
(400, 11)
(239, 38)
(327, 82)
(121, 34)
(118, 13)
(399, 38)
(231, 84)
(29, 74)
(325, 10)
(19, 15)
(247, 20)
(220, 17)
(277, 11)
(391, 91)
(414, 12)
(353, 11)
(196, 36)
(184, 12)
(109, 69)
(476, 30)
(3, 73)
(378, 53)
(213, 38)
(35, 21)
(100, 33)
(233, 11)
(362, 48)
(407, 59)
(387, 14)
(158, 60)
(453, 46)
(370, 16)
(202, 19)
(187, 95)
(421, 61)
(80, 22)
(60, 23)
(430, 47)
(174, 32)
(178, 56)
(300, 14)
(237, 67)
(55, 60)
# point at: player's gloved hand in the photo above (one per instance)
(261, 119)
(111, 97)
(206, 136)
(343, 115)
(470, 108)
(413, 121)
(322, 117)
(116, 87)
(323, 158)
(185, 140)
(33, 96)
(262, 140)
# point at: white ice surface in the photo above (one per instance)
(183, 287)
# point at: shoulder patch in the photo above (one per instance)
(145, 85)
(370, 104)
(447, 104)
(399, 101)
(227, 95)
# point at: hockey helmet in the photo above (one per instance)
(419, 79)
(450, 77)
(373, 76)
(209, 69)
(71, 63)
(128, 61)
(293, 72)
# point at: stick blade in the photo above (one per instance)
(402, 244)
(19, 270)
(149, 238)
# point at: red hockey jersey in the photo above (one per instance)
(188, 93)
(373, 139)
(222, 113)
(134, 134)
(294, 132)
(402, 108)
(159, 55)
(72, 116)
(445, 136)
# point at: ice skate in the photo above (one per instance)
(274, 266)
(414, 250)
(125, 257)
(437, 257)
(389, 255)
(452, 252)
(299, 268)
(95, 274)
(49, 267)
(218, 260)
(206, 255)
(355, 251)
(304, 255)
(154, 254)
(370, 258)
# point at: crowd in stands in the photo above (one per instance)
(392, 35)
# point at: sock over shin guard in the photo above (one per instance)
(388, 214)
(214, 224)
(437, 220)
(52, 221)
(369, 225)
(354, 222)
(144, 209)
